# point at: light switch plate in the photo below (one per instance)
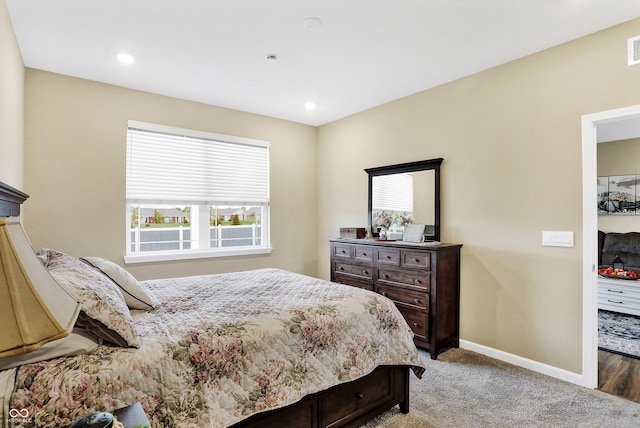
(557, 238)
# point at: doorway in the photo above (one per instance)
(598, 127)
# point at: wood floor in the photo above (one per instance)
(619, 375)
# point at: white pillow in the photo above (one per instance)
(78, 342)
(133, 294)
(104, 311)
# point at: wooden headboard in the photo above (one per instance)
(10, 200)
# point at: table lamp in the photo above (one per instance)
(34, 309)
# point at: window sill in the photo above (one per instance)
(161, 256)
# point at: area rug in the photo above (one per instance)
(619, 333)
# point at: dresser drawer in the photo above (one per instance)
(624, 306)
(342, 251)
(415, 278)
(356, 397)
(418, 321)
(354, 281)
(619, 296)
(413, 299)
(302, 414)
(620, 287)
(415, 259)
(352, 269)
(364, 254)
(388, 256)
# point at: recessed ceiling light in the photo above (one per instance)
(125, 58)
(310, 105)
(271, 58)
(312, 23)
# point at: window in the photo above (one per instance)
(194, 194)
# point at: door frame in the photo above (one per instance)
(590, 124)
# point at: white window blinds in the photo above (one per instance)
(173, 165)
(393, 192)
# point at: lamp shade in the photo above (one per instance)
(34, 309)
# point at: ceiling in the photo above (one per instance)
(360, 54)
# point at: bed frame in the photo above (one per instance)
(10, 200)
(346, 405)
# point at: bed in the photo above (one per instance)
(263, 347)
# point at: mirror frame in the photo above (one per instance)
(424, 165)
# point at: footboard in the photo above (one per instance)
(347, 405)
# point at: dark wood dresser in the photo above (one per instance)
(422, 279)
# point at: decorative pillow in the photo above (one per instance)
(133, 294)
(104, 310)
(78, 342)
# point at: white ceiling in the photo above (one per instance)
(367, 52)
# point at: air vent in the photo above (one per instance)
(633, 48)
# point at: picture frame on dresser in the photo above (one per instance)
(413, 233)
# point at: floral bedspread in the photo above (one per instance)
(220, 348)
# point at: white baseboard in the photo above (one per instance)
(524, 362)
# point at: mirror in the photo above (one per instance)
(408, 192)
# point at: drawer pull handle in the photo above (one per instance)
(613, 301)
(342, 268)
(416, 325)
(364, 254)
(616, 291)
(417, 281)
(344, 252)
(416, 260)
(384, 293)
(360, 396)
(417, 301)
(385, 275)
(365, 272)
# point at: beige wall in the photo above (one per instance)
(619, 158)
(75, 138)
(511, 142)
(11, 103)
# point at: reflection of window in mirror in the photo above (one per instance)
(393, 194)
(409, 195)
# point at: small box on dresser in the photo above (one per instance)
(352, 232)
(423, 280)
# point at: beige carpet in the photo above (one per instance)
(464, 389)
